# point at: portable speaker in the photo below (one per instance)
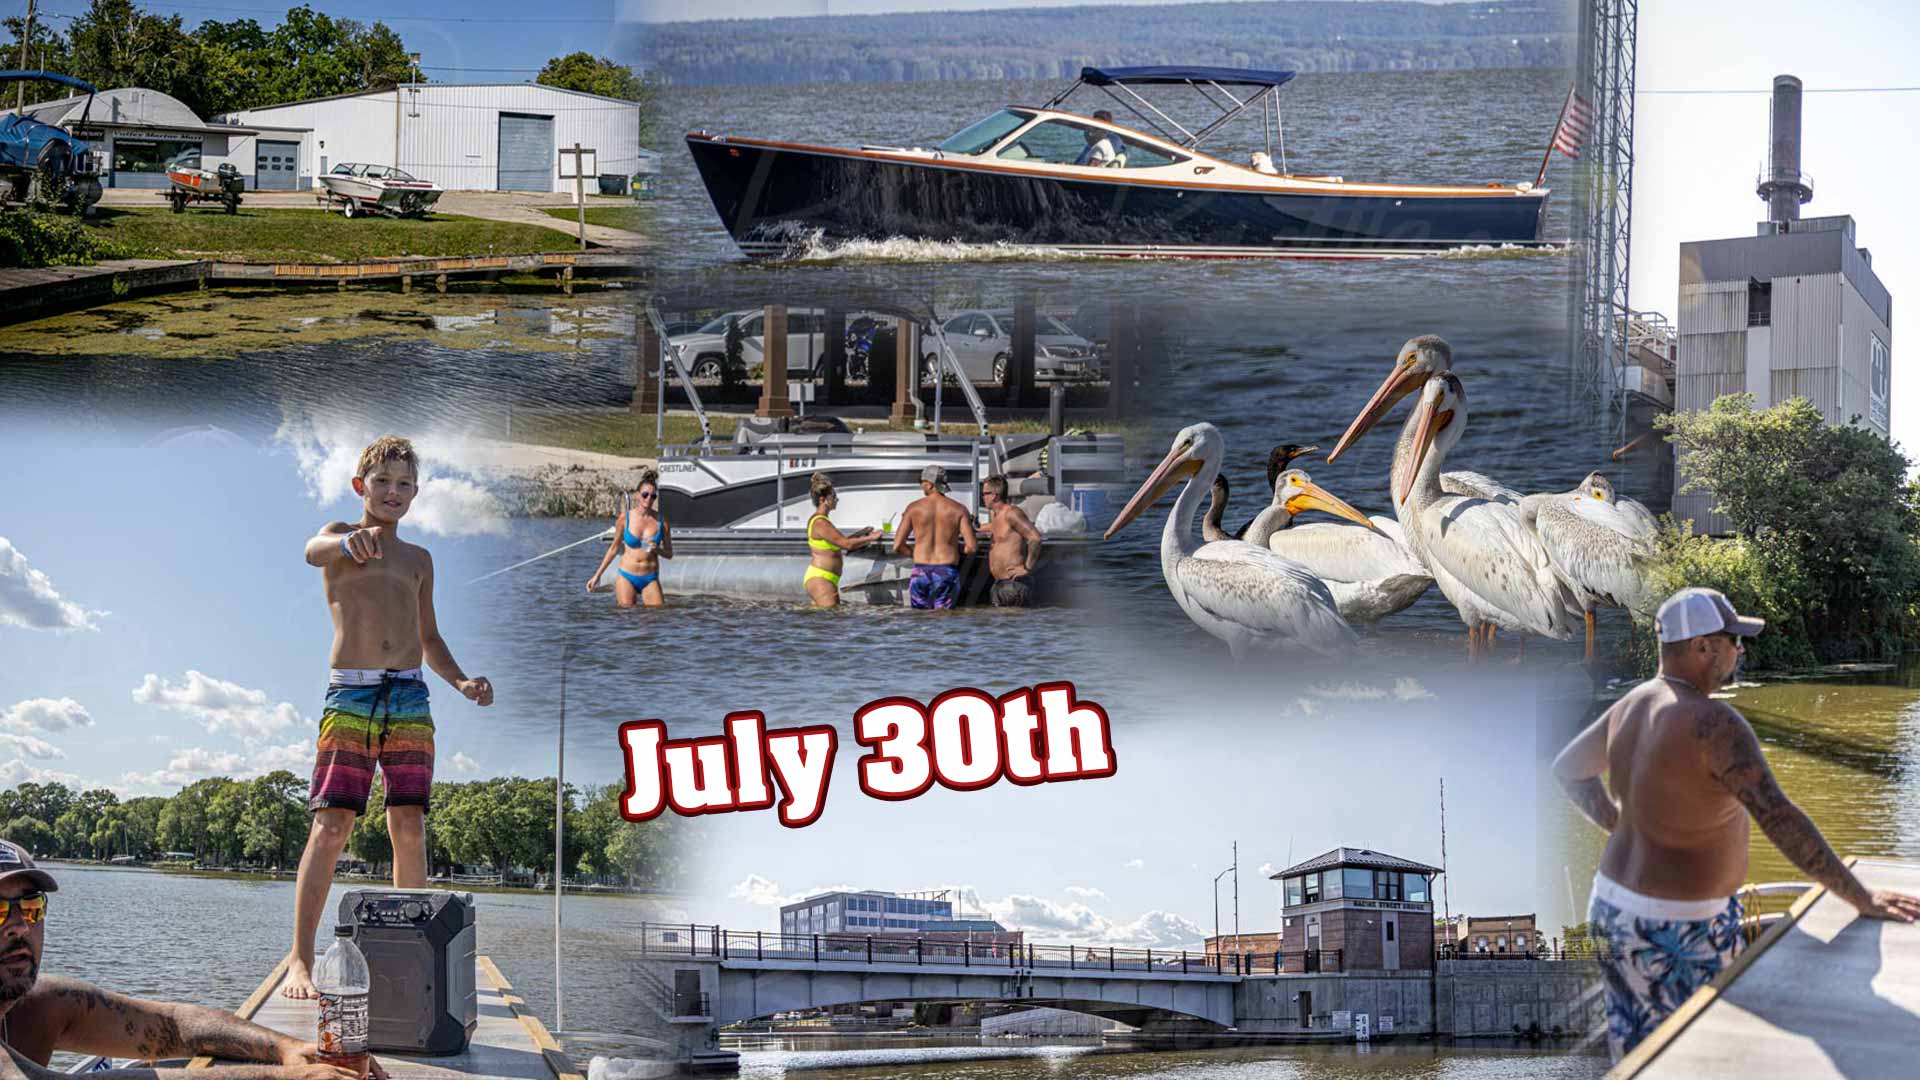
(420, 948)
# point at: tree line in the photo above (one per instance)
(505, 824)
(1054, 43)
(218, 67)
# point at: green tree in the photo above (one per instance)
(591, 74)
(116, 44)
(31, 833)
(369, 840)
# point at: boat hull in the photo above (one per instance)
(776, 198)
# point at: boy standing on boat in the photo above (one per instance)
(380, 591)
(1684, 773)
(939, 529)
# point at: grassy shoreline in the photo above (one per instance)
(348, 879)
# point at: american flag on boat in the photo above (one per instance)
(1576, 120)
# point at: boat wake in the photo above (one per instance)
(1506, 251)
(813, 247)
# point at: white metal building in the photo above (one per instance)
(136, 130)
(462, 136)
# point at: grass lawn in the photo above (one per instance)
(633, 436)
(262, 235)
(623, 215)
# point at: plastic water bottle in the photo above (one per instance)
(343, 983)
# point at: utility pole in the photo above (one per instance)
(26, 35)
(1446, 904)
(559, 841)
(1236, 892)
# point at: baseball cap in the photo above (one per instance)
(1693, 612)
(14, 862)
(935, 475)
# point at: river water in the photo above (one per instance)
(211, 940)
(1001, 1059)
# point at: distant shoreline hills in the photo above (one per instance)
(1055, 43)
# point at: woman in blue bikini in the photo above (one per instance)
(641, 539)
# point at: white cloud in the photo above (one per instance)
(30, 746)
(198, 762)
(46, 714)
(1409, 689)
(28, 598)
(1134, 864)
(759, 891)
(463, 764)
(1267, 870)
(1049, 922)
(17, 771)
(451, 502)
(219, 705)
(1086, 892)
(1347, 692)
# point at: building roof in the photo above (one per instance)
(372, 91)
(1823, 245)
(962, 926)
(127, 106)
(1346, 856)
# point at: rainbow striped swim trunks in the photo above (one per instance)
(373, 718)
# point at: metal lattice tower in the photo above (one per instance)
(1603, 214)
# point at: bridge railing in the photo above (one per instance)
(713, 942)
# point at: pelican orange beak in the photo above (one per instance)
(1433, 421)
(1178, 465)
(1400, 382)
(1314, 497)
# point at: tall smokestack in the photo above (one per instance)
(1783, 186)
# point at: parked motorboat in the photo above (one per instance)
(739, 509)
(1043, 176)
(378, 189)
(188, 182)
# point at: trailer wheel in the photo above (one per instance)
(351, 209)
(233, 204)
(179, 201)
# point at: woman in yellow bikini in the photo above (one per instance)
(828, 546)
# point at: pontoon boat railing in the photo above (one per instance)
(670, 353)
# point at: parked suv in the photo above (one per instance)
(704, 350)
(983, 343)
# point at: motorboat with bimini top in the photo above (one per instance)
(378, 189)
(1045, 177)
(740, 509)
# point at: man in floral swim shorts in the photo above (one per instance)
(1684, 773)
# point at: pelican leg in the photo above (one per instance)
(1589, 617)
(1491, 627)
(1473, 643)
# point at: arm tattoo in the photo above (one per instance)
(1738, 764)
(1591, 796)
(223, 1035)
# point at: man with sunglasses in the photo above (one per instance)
(1685, 773)
(41, 1015)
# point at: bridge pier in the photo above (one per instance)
(679, 995)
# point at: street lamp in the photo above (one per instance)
(1216, 906)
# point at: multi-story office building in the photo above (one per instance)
(867, 912)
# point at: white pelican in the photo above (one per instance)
(1366, 562)
(1599, 549)
(1278, 459)
(1482, 554)
(1246, 596)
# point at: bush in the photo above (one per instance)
(29, 239)
(1761, 579)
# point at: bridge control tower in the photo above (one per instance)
(1352, 909)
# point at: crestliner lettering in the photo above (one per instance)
(964, 739)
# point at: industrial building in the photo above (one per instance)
(137, 130)
(1352, 909)
(1793, 311)
(461, 136)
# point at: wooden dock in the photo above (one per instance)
(31, 294)
(508, 1043)
(1823, 993)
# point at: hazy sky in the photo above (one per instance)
(1130, 859)
(682, 10)
(1697, 156)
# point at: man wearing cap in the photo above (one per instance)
(940, 529)
(39, 1016)
(1685, 773)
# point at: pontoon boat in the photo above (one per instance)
(1042, 176)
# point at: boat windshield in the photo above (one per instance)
(980, 137)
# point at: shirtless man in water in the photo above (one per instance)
(1686, 771)
(940, 529)
(41, 1015)
(380, 590)
(1016, 546)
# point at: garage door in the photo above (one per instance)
(526, 152)
(276, 166)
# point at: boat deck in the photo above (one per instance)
(1823, 993)
(508, 1043)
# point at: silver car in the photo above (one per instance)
(982, 341)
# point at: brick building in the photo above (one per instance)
(1495, 935)
(1352, 909)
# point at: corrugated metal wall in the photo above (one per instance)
(450, 134)
(1713, 307)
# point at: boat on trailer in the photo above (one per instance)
(739, 509)
(359, 188)
(1042, 176)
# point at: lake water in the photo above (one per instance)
(1002, 1059)
(212, 940)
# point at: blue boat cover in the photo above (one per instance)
(15, 76)
(1162, 75)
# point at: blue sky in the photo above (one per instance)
(1696, 155)
(1130, 859)
(158, 624)
(459, 43)
(677, 10)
